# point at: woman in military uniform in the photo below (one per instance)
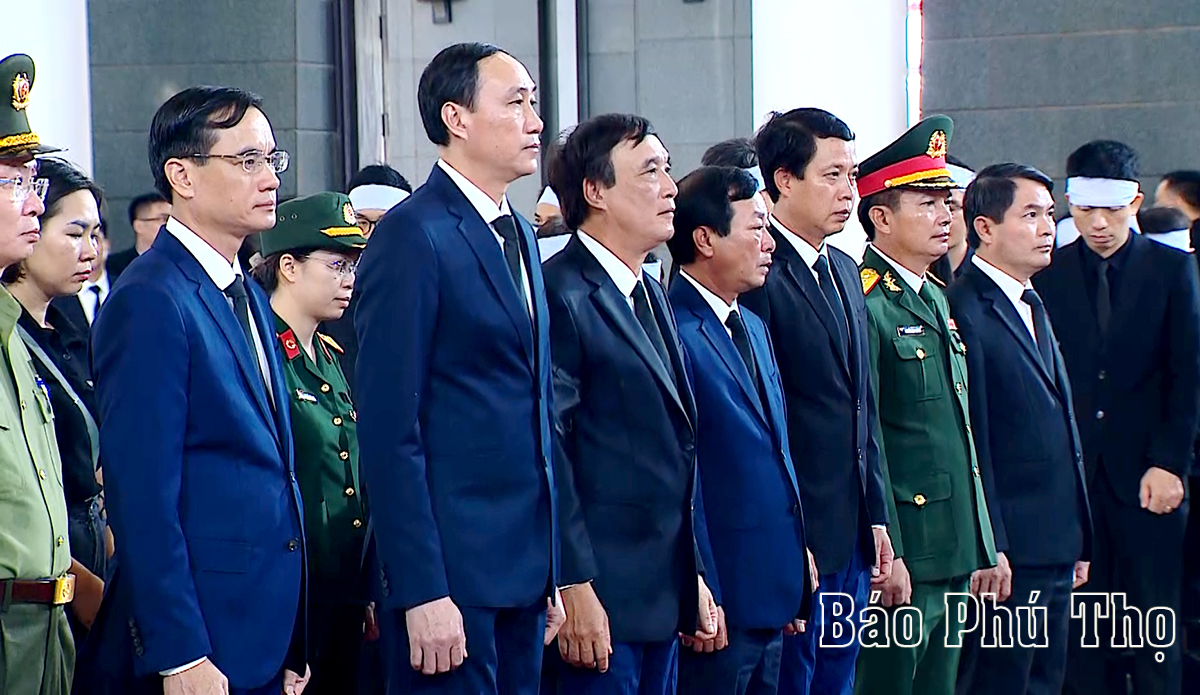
(308, 266)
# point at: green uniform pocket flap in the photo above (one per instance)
(908, 348)
(934, 488)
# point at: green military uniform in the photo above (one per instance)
(940, 524)
(37, 655)
(326, 446)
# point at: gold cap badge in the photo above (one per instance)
(937, 144)
(348, 214)
(20, 89)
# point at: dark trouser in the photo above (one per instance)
(1007, 668)
(748, 666)
(273, 687)
(85, 530)
(504, 654)
(1139, 554)
(641, 668)
(807, 666)
(335, 638)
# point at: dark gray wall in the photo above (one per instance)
(1031, 80)
(143, 51)
(686, 67)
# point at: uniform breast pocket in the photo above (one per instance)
(13, 456)
(917, 375)
(926, 515)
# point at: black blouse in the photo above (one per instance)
(67, 345)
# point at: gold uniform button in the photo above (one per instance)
(958, 387)
(324, 388)
(920, 353)
(358, 523)
(60, 540)
(42, 474)
(337, 421)
(919, 500)
(349, 492)
(22, 405)
(975, 470)
(344, 455)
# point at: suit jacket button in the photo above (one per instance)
(1103, 375)
(1099, 414)
(293, 545)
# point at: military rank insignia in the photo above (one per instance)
(890, 282)
(870, 277)
(291, 349)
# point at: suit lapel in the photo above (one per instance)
(1138, 265)
(670, 333)
(243, 353)
(1004, 310)
(483, 243)
(803, 278)
(773, 407)
(264, 321)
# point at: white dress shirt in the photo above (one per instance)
(914, 281)
(222, 273)
(621, 275)
(808, 253)
(1013, 289)
(489, 211)
(90, 299)
(718, 305)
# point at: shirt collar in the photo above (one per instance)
(1115, 261)
(102, 283)
(221, 271)
(807, 253)
(1010, 286)
(482, 202)
(621, 275)
(718, 305)
(914, 281)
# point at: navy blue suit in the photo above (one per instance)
(1031, 462)
(201, 492)
(749, 518)
(453, 401)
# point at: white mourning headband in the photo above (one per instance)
(374, 196)
(1101, 193)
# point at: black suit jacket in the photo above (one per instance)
(1026, 440)
(625, 457)
(1138, 391)
(71, 309)
(829, 409)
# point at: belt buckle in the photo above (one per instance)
(64, 589)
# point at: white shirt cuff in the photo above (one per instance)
(180, 669)
(881, 527)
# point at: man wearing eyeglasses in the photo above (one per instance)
(36, 650)
(209, 593)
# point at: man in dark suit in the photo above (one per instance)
(203, 500)
(453, 395)
(1026, 440)
(625, 420)
(147, 214)
(749, 520)
(813, 307)
(1127, 314)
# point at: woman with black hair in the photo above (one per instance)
(61, 261)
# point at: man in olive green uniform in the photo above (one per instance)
(941, 530)
(37, 656)
(320, 232)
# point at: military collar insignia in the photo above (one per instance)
(20, 91)
(870, 278)
(889, 282)
(291, 349)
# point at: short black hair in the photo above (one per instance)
(1186, 184)
(552, 150)
(451, 77)
(992, 192)
(587, 156)
(1161, 220)
(1104, 159)
(136, 205)
(65, 178)
(379, 175)
(705, 199)
(735, 152)
(555, 226)
(951, 159)
(188, 122)
(788, 141)
(888, 198)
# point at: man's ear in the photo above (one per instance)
(702, 241)
(881, 218)
(179, 176)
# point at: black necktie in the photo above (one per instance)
(1041, 327)
(95, 290)
(741, 340)
(506, 227)
(241, 308)
(825, 280)
(1103, 298)
(645, 316)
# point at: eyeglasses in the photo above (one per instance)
(252, 162)
(160, 220)
(342, 268)
(367, 226)
(22, 186)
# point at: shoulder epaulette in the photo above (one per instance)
(870, 278)
(935, 279)
(331, 343)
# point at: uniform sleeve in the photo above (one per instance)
(877, 436)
